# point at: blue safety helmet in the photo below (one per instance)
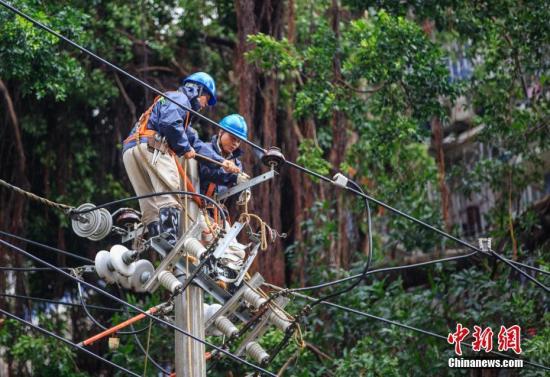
(206, 81)
(236, 124)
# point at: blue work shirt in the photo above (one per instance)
(211, 173)
(168, 119)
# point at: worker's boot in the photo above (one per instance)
(153, 229)
(169, 224)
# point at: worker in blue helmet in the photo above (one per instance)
(224, 148)
(162, 132)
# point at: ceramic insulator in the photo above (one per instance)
(276, 319)
(253, 298)
(194, 247)
(169, 281)
(226, 326)
(255, 351)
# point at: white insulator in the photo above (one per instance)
(105, 225)
(119, 256)
(253, 298)
(143, 272)
(194, 247)
(124, 281)
(103, 267)
(169, 281)
(277, 320)
(255, 351)
(88, 223)
(226, 326)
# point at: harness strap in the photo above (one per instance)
(143, 131)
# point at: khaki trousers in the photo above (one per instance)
(145, 180)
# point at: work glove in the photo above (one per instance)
(230, 167)
(242, 178)
(190, 154)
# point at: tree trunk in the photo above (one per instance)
(258, 99)
(437, 134)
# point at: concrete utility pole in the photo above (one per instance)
(188, 306)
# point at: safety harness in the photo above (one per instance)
(143, 131)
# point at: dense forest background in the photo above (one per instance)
(361, 87)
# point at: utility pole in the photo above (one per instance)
(188, 307)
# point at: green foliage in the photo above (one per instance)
(48, 356)
(311, 157)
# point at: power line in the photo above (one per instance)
(529, 267)
(96, 322)
(44, 331)
(119, 201)
(498, 256)
(369, 258)
(31, 269)
(367, 197)
(157, 319)
(57, 302)
(386, 269)
(125, 73)
(290, 163)
(51, 248)
(90, 306)
(402, 325)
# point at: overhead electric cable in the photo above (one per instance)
(96, 322)
(140, 345)
(58, 337)
(290, 163)
(385, 269)
(499, 257)
(119, 201)
(31, 269)
(369, 257)
(157, 319)
(402, 325)
(529, 267)
(122, 71)
(47, 247)
(57, 302)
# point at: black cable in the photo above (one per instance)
(203, 262)
(385, 269)
(290, 163)
(369, 257)
(412, 328)
(96, 322)
(80, 348)
(122, 71)
(149, 357)
(529, 267)
(56, 302)
(498, 256)
(107, 294)
(31, 269)
(75, 212)
(140, 345)
(73, 255)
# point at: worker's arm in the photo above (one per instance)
(171, 121)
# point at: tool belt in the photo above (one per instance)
(156, 142)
